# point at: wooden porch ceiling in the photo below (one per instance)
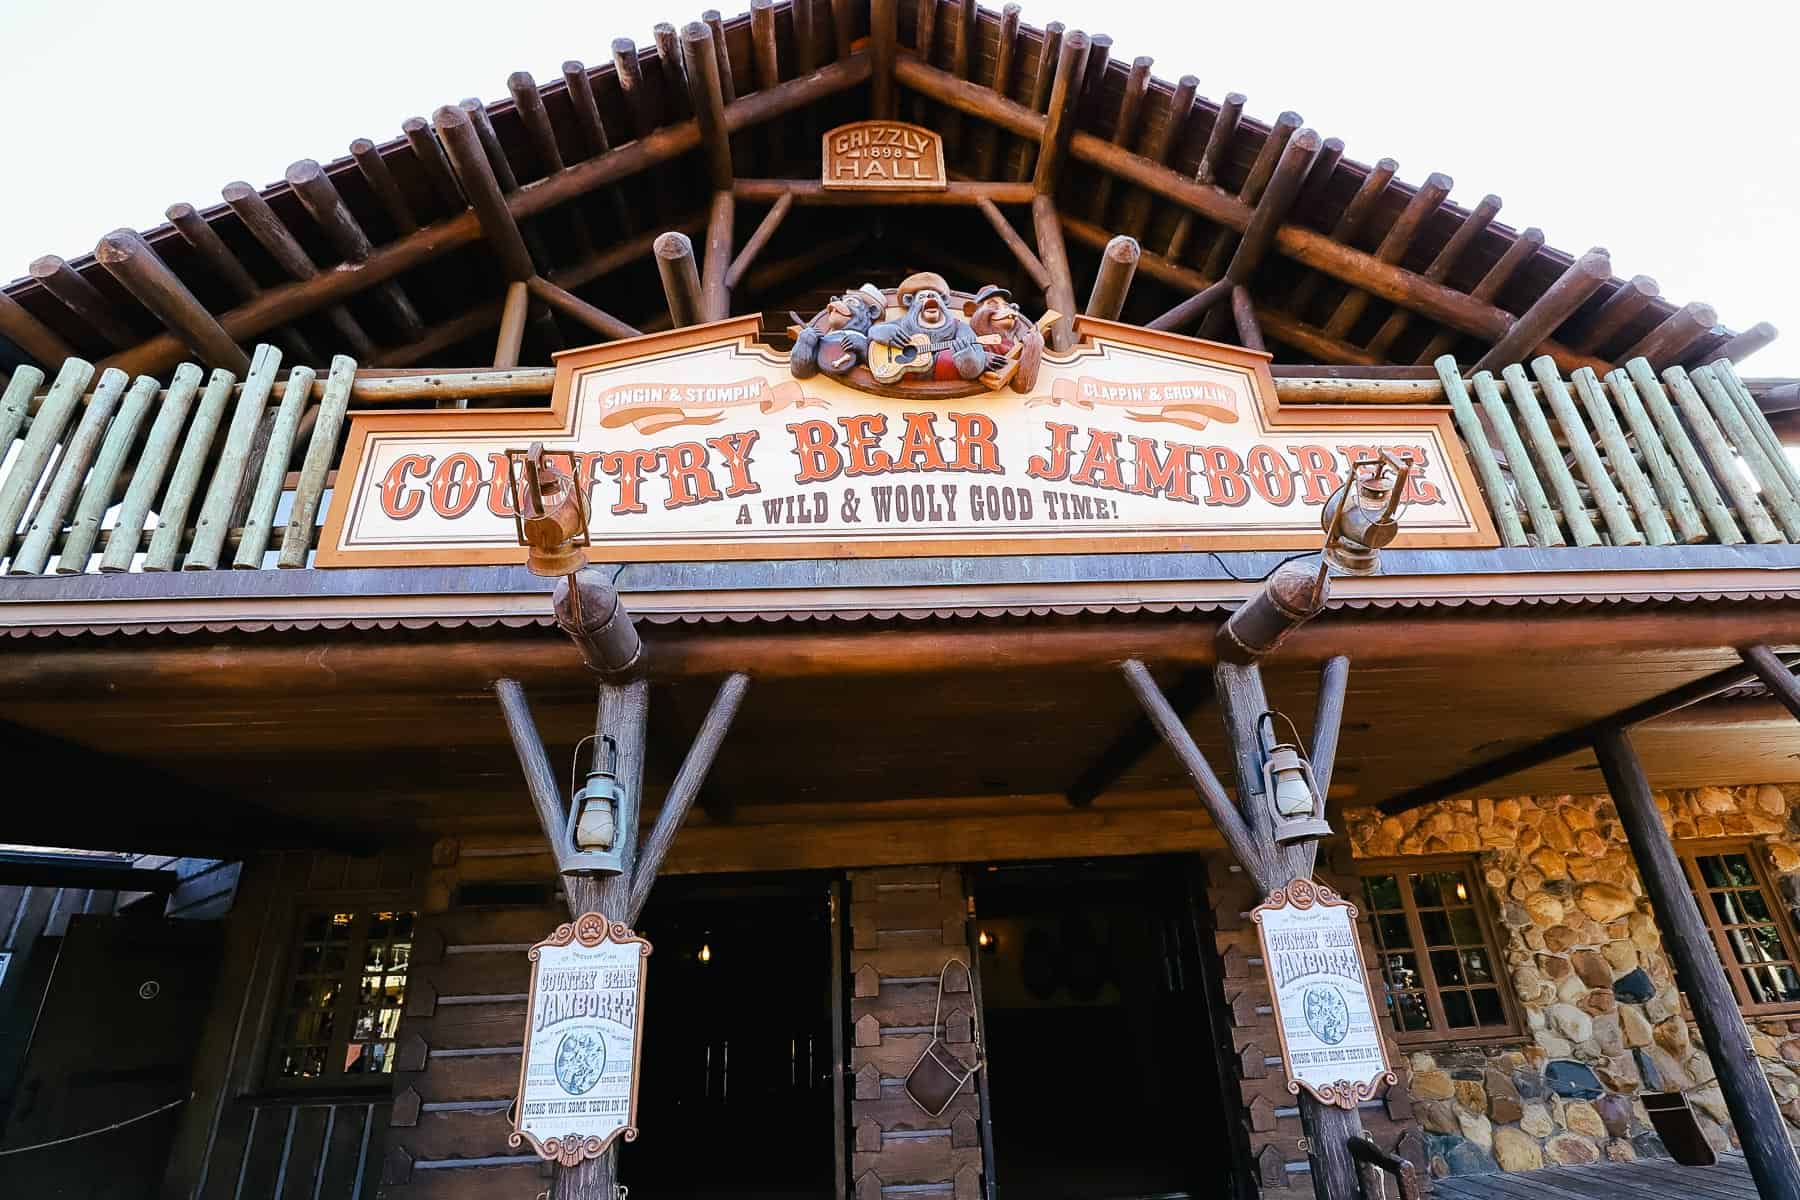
(342, 755)
(376, 254)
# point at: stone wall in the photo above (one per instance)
(1604, 1019)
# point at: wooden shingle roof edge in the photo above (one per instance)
(350, 255)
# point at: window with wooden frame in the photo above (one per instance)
(1754, 938)
(1439, 958)
(346, 984)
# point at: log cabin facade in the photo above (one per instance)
(959, 791)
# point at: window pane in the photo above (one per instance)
(1754, 906)
(1465, 928)
(1457, 1010)
(1725, 904)
(1476, 966)
(1427, 889)
(1712, 869)
(1382, 892)
(1410, 1013)
(1737, 870)
(1488, 1009)
(1391, 930)
(1436, 927)
(1446, 966)
(306, 1034)
(1402, 971)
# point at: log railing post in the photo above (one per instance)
(1118, 264)
(680, 279)
(1761, 1130)
(884, 47)
(1055, 256)
(1065, 97)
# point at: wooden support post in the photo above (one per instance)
(1028, 259)
(1118, 264)
(1616, 311)
(1613, 509)
(1218, 141)
(963, 36)
(1195, 306)
(1657, 459)
(1049, 52)
(1186, 696)
(142, 272)
(1059, 126)
(924, 41)
(1524, 477)
(1256, 182)
(77, 454)
(587, 115)
(184, 484)
(30, 334)
(1741, 346)
(83, 299)
(1620, 458)
(463, 145)
(1439, 269)
(102, 481)
(579, 310)
(275, 237)
(884, 47)
(40, 443)
(1273, 206)
(1669, 341)
(715, 297)
(381, 181)
(988, 138)
(623, 715)
(511, 337)
(222, 491)
(1761, 1130)
(528, 102)
(1394, 245)
(1348, 227)
(259, 521)
(1243, 315)
(680, 279)
(1672, 433)
(708, 98)
(1055, 256)
(1524, 247)
(1155, 145)
(1125, 126)
(1487, 468)
(1535, 325)
(1722, 459)
(765, 69)
(1776, 676)
(676, 98)
(320, 198)
(428, 153)
(321, 455)
(753, 246)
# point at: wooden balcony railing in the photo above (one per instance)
(205, 473)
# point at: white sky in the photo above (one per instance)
(1666, 134)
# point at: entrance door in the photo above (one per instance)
(1103, 1077)
(738, 1083)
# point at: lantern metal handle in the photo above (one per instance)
(1269, 716)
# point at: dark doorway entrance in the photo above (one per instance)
(739, 1051)
(1103, 1067)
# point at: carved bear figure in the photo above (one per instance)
(837, 338)
(993, 316)
(928, 338)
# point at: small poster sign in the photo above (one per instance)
(583, 1037)
(1331, 1043)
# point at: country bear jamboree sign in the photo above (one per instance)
(703, 444)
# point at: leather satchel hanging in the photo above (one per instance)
(940, 1074)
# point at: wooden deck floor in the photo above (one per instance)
(1657, 1178)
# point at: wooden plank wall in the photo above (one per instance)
(205, 892)
(906, 925)
(458, 1063)
(1269, 1111)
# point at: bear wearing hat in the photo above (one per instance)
(995, 318)
(929, 338)
(837, 338)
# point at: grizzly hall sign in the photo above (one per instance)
(706, 444)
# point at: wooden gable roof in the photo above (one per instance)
(378, 255)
